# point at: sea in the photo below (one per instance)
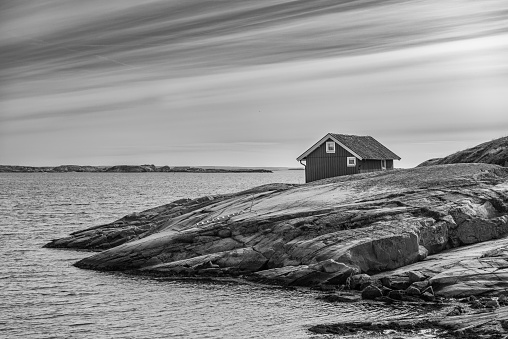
(44, 296)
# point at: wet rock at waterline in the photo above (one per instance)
(443, 226)
(371, 292)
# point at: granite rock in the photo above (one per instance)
(448, 222)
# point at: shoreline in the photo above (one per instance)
(399, 327)
(440, 325)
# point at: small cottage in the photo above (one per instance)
(341, 154)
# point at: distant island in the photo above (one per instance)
(128, 169)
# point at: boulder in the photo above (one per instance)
(476, 304)
(492, 304)
(415, 276)
(385, 290)
(434, 236)
(420, 285)
(503, 300)
(456, 310)
(340, 272)
(371, 292)
(359, 281)
(397, 295)
(225, 233)
(331, 266)
(411, 290)
(423, 253)
(478, 230)
(396, 282)
(427, 296)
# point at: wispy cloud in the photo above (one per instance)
(246, 82)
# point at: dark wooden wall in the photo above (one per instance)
(321, 165)
(369, 165)
(389, 164)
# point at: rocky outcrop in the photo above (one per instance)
(479, 269)
(491, 152)
(458, 323)
(445, 224)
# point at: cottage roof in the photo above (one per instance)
(362, 147)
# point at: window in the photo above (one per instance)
(351, 162)
(330, 147)
(383, 164)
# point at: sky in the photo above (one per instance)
(247, 83)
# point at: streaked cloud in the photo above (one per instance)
(246, 83)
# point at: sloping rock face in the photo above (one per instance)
(479, 269)
(491, 152)
(139, 225)
(318, 233)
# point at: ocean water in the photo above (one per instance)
(44, 296)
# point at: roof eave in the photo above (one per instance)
(386, 158)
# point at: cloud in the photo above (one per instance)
(246, 82)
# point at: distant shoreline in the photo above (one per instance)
(126, 169)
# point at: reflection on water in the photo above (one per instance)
(44, 296)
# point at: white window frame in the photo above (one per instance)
(330, 143)
(351, 164)
(383, 164)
